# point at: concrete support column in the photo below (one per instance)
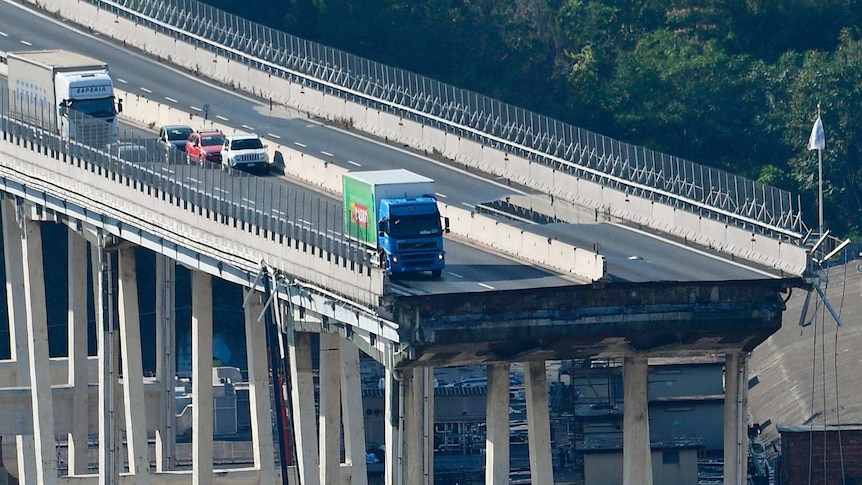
(42, 400)
(637, 458)
(108, 343)
(202, 378)
(428, 423)
(13, 238)
(352, 415)
(166, 331)
(133, 373)
(258, 393)
(539, 423)
(78, 353)
(302, 408)
(392, 392)
(412, 461)
(418, 457)
(497, 425)
(330, 408)
(735, 418)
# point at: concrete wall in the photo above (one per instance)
(607, 468)
(714, 234)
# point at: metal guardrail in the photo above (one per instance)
(710, 192)
(294, 217)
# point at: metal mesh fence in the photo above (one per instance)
(646, 173)
(298, 217)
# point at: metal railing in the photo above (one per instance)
(292, 215)
(710, 192)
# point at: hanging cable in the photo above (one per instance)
(837, 391)
(811, 416)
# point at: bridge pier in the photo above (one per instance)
(539, 423)
(302, 398)
(637, 457)
(330, 408)
(258, 381)
(497, 425)
(735, 418)
(202, 379)
(13, 250)
(78, 353)
(166, 362)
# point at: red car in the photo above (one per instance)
(205, 145)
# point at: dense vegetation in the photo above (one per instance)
(732, 84)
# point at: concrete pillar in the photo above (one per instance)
(330, 408)
(353, 416)
(538, 423)
(735, 418)
(392, 393)
(77, 320)
(42, 401)
(108, 343)
(166, 331)
(133, 373)
(302, 408)
(412, 458)
(428, 423)
(418, 452)
(497, 425)
(258, 393)
(13, 238)
(637, 458)
(202, 378)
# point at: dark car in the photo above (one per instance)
(174, 136)
(205, 145)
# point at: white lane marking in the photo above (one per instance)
(247, 200)
(354, 163)
(442, 196)
(327, 154)
(193, 180)
(220, 189)
(249, 128)
(273, 135)
(337, 233)
(278, 212)
(300, 144)
(4, 34)
(25, 42)
(196, 109)
(166, 169)
(486, 286)
(172, 100)
(221, 117)
(146, 90)
(468, 205)
(456, 275)
(121, 80)
(303, 221)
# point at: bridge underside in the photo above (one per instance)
(588, 321)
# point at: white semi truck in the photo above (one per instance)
(65, 92)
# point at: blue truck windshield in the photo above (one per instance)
(413, 226)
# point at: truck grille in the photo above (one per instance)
(417, 246)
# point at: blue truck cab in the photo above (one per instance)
(410, 235)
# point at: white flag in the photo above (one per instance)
(817, 141)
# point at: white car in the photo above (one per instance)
(246, 152)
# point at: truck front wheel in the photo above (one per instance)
(436, 273)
